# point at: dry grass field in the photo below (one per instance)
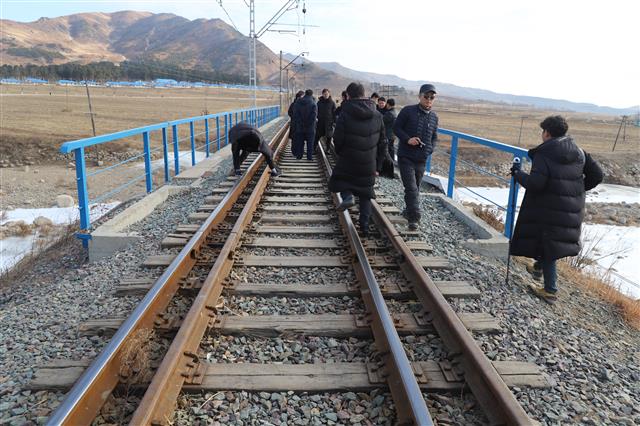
(36, 120)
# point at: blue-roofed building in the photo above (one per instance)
(9, 81)
(32, 80)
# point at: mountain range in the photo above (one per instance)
(208, 44)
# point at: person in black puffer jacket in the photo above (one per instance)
(361, 147)
(326, 115)
(292, 125)
(548, 226)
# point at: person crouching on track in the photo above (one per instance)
(361, 147)
(305, 115)
(417, 130)
(548, 226)
(245, 139)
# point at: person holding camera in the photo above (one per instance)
(417, 130)
(245, 139)
(548, 225)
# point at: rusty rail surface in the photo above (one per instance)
(89, 393)
(405, 390)
(181, 364)
(497, 401)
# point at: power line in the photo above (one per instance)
(229, 16)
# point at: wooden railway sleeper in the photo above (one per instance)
(377, 372)
(364, 320)
(451, 371)
(421, 377)
(353, 285)
(423, 318)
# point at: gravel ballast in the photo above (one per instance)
(589, 353)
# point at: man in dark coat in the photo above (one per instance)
(305, 115)
(548, 226)
(417, 130)
(245, 139)
(389, 118)
(292, 125)
(326, 115)
(339, 109)
(361, 146)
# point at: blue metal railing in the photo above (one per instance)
(453, 159)
(222, 121)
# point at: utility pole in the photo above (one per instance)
(253, 81)
(280, 91)
(255, 35)
(521, 123)
(93, 123)
(624, 121)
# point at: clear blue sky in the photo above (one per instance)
(564, 49)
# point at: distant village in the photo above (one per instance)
(157, 83)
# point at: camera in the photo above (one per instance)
(515, 167)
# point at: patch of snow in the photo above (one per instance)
(13, 249)
(603, 193)
(58, 215)
(616, 249)
(184, 159)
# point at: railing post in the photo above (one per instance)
(218, 131)
(193, 142)
(512, 204)
(165, 154)
(236, 118)
(452, 165)
(227, 118)
(428, 165)
(147, 161)
(176, 152)
(206, 137)
(83, 196)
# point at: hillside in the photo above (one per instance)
(452, 90)
(207, 45)
(204, 44)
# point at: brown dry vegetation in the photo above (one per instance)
(600, 287)
(594, 133)
(38, 119)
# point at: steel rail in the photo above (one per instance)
(181, 362)
(405, 390)
(94, 386)
(497, 401)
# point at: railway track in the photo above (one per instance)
(258, 242)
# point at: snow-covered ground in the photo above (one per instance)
(13, 249)
(604, 193)
(616, 249)
(183, 156)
